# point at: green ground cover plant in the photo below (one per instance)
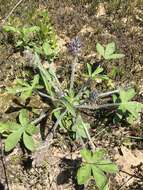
(95, 166)
(67, 101)
(15, 132)
(109, 51)
(38, 35)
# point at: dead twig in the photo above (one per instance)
(2, 157)
(39, 119)
(10, 13)
(102, 95)
(89, 138)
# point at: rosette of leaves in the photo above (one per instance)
(109, 51)
(66, 104)
(15, 132)
(95, 166)
(24, 88)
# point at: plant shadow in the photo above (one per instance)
(2, 186)
(68, 172)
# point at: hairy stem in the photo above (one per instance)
(74, 64)
(89, 138)
(46, 96)
(102, 95)
(95, 107)
(40, 118)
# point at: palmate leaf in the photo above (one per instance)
(127, 95)
(96, 166)
(26, 92)
(132, 107)
(108, 52)
(12, 140)
(28, 141)
(25, 88)
(84, 174)
(19, 43)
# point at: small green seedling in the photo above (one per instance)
(95, 166)
(47, 39)
(25, 34)
(109, 52)
(14, 132)
(97, 74)
(24, 88)
(38, 36)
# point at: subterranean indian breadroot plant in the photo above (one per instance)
(67, 104)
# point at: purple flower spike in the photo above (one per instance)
(75, 45)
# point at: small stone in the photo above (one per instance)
(101, 10)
